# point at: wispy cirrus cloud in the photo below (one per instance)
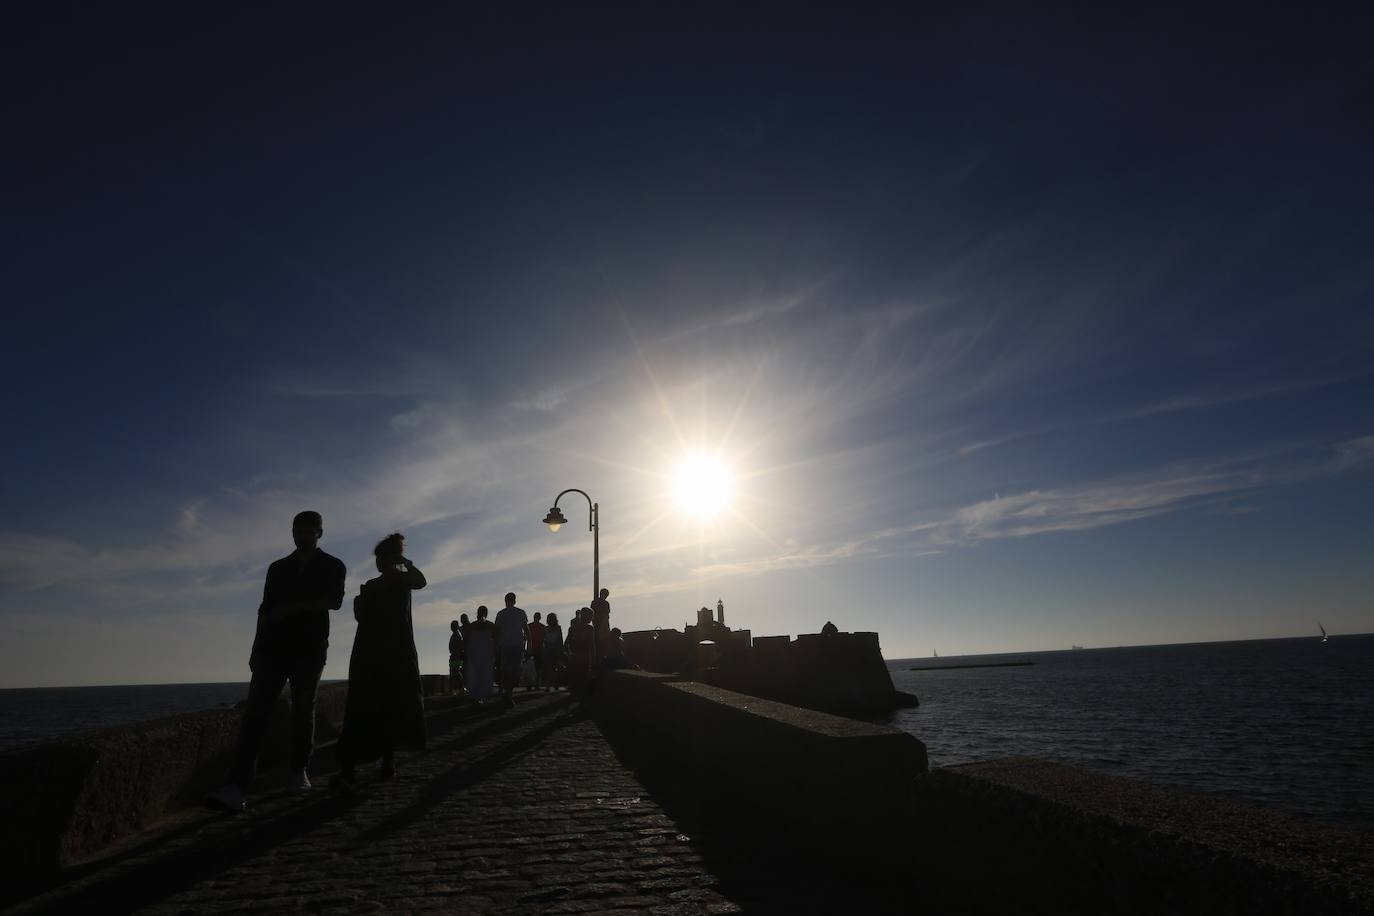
(1172, 489)
(1176, 404)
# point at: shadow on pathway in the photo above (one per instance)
(175, 861)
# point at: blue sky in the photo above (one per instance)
(1014, 331)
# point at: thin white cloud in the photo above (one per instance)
(1170, 490)
(1235, 396)
(1178, 404)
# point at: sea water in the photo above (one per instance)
(36, 713)
(1282, 723)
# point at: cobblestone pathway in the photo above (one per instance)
(527, 811)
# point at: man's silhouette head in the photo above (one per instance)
(481, 612)
(605, 593)
(510, 599)
(536, 616)
(306, 529)
(453, 625)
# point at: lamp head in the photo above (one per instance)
(555, 519)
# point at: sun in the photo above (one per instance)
(702, 485)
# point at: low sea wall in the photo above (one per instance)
(806, 767)
(70, 797)
(1014, 835)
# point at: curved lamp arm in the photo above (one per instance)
(555, 520)
(591, 506)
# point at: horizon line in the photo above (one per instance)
(902, 658)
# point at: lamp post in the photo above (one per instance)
(555, 520)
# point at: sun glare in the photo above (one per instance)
(702, 485)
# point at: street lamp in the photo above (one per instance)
(555, 520)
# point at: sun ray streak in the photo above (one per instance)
(624, 546)
(607, 462)
(740, 516)
(653, 380)
(739, 408)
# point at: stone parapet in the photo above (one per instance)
(805, 767)
(842, 673)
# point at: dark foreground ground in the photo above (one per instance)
(541, 810)
(528, 811)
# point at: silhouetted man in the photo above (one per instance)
(512, 635)
(291, 642)
(536, 651)
(601, 623)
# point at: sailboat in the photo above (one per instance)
(1323, 629)
(937, 653)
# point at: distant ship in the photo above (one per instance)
(1323, 629)
(937, 653)
(1075, 647)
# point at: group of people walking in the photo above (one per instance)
(484, 655)
(384, 711)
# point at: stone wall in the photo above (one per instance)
(68, 798)
(1012, 835)
(801, 766)
(843, 673)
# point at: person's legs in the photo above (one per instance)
(388, 759)
(538, 671)
(345, 759)
(305, 682)
(263, 691)
(510, 670)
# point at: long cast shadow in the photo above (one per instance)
(218, 844)
(136, 886)
(470, 772)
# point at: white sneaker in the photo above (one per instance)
(299, 781)
(226, 798)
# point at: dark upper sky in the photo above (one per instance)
(990, 314)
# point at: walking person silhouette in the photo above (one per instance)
(290, 644)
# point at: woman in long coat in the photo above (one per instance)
(385, 707)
